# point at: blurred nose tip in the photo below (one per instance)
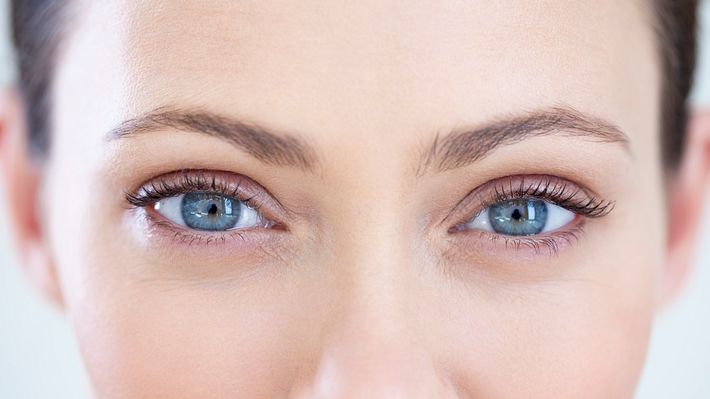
(375, 379)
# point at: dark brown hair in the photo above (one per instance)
(676, 29)
(37, 31)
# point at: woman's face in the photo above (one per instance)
(358, 199)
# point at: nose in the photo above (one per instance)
(366, 364)
(374, 347)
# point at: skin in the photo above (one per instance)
(365, 291)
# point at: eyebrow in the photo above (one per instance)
(267, 146)
(465, 146)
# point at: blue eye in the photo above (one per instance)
(521, 217)
(207, 211)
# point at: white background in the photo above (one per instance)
(38, 357)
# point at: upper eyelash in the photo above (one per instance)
(552, 189)
(171, 185)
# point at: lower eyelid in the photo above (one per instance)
(219, 254)
(166, 234)
(484, 243)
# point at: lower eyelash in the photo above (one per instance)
(246, 247)
(551, 242)
(547, 244)
(189, 238)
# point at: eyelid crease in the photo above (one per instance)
(556, 190)
(231, 185)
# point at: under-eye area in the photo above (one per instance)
(537, 212)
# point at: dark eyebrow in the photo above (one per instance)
(465, 146)
(266, 146)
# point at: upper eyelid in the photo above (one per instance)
(503, 188)
(176, 183)
(240, 187)
(558, 193)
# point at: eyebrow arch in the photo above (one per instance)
(266, 146)
(465, 146)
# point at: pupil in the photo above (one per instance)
(213, 209)
(516, 214)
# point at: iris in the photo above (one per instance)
(210, 211)
(522, 217)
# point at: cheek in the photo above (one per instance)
(576, 337)
(190, 339)
(183, 345)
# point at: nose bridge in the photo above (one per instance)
(371, 344)
(374, 272)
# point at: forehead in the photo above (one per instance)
(369, 66)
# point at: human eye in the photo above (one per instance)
(522, 217)
(204, 206)
(531, 211)
(209, 211)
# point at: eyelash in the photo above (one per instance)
(555, 190)
(185, 181)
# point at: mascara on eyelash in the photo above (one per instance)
(185, 181)
(555, 190)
